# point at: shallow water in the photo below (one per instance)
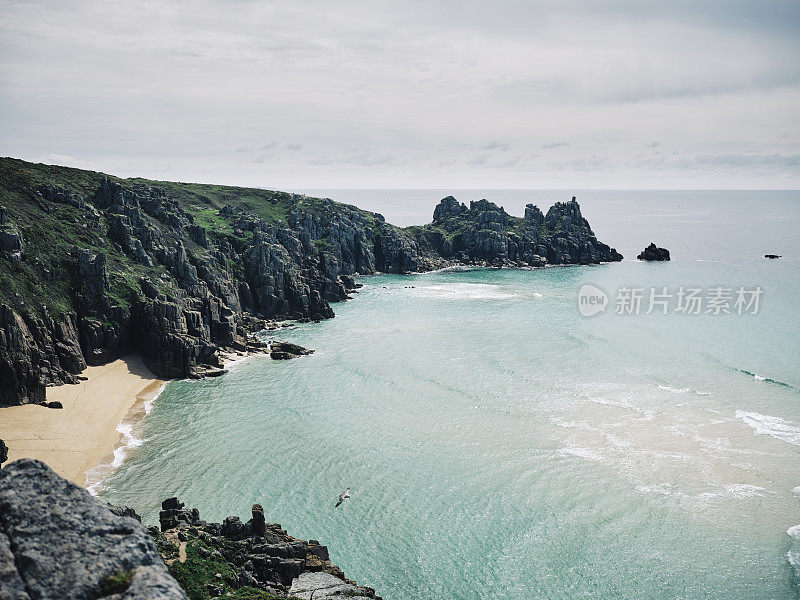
(500, 445)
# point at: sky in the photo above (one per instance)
(575, 94)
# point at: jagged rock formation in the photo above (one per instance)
(179, 272)
(253, 554)
(280, 350)
(654, 253)
(485, 234)
(57, 542)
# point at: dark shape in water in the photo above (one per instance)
(654, 253)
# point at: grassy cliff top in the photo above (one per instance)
(50, 230)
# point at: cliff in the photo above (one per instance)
(58, 542)
(93, 267)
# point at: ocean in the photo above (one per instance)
(500, 444)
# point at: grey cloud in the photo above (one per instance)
(494, 145)
(780, 163)
(96, 82)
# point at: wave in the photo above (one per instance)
(96, 477)
(587, 453)
(776, 427)
(466, 291)
(758, 377)
(673, 390)
(794, 532)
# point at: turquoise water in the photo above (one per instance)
(500, 445)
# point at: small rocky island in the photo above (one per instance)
(654, 253)
(58, 542)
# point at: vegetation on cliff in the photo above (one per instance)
(93, 266)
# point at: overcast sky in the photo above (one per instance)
(446, 94)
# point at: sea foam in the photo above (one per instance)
(773, 426)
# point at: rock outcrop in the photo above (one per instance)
(485, 234)
(252, 554)
(654, 253)
(280, 350)
(57, 542)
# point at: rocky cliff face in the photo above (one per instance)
(254, 554)
(484, 233)
(59, 543)
(93, 267)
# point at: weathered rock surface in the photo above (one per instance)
(253, 554)
(654, 253)
(280, 350)
(59, 543)
(485, 234)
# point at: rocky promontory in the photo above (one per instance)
(654, 253)
(59, 543)
(93, 267)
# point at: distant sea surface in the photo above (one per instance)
(499, 444)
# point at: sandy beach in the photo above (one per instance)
(83, 434)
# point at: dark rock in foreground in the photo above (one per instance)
(3, 452)
(57, 542)
(654, 253)
(255, 554)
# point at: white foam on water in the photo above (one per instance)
(466, 291)
(794, 532)
(744, 490)
(776, 427)
(587, 453)
(758, 377)
(673, 390)
(796, 490)
(96, 477)
(794, 559)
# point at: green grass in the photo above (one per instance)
(197, 573)
(50, 231)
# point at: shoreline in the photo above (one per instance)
(93, 429)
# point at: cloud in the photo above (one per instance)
(494, 145)
(375, 88)
(775, 163)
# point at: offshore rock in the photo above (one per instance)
(56, 541)
(654, 253)
(280, 350)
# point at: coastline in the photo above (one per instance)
(90, 432)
